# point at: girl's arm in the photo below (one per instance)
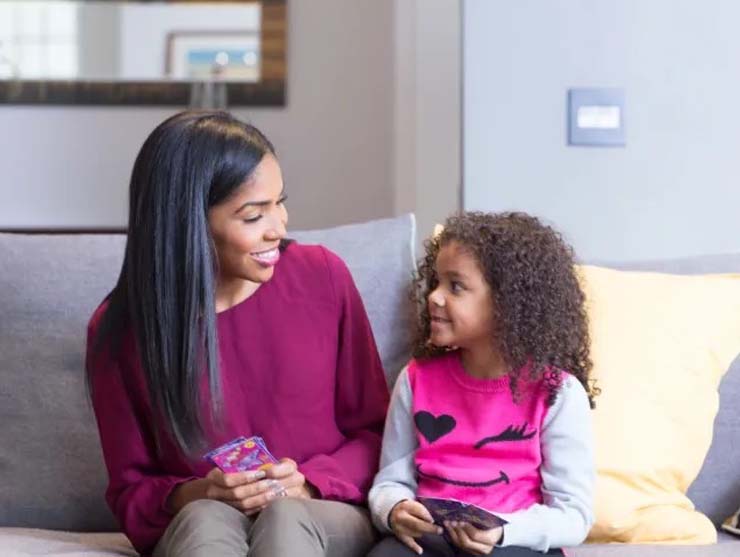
(568, 473)
(360, 400)
(396, 479)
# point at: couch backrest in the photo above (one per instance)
(716, 491)
(50, 459)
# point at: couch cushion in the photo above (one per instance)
(48, 440)
(50, 285)
(716, 490)
(27, 542)
(726, 547)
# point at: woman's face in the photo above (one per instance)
(248, 226)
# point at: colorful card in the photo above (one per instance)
(241, 455)
(452, 509)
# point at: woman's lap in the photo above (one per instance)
(205, 528)
(311, 527)
(296, 527)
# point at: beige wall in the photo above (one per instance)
(427, 154)
(371, 129)
(672, 191)
(69, 166)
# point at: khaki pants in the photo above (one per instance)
(287, 527)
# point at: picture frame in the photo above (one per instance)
(269, 89)
(233, 56)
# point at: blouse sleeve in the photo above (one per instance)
(361, 399)
(137, 488)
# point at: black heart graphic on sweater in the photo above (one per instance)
(433, 428)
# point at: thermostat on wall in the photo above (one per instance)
(596, 117)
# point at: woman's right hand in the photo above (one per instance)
(410, 520)
(248, 492)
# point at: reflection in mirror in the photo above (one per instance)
(143, 43)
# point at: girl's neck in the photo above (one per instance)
(483, 362)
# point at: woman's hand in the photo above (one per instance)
(292, 481)
(409, 520)
(471, 539)
(249, 492)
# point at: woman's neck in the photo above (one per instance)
(233, 292)
(483, 362)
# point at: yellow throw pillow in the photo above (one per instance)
(660, 346)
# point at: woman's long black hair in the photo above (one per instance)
(165, 292)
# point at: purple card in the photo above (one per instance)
(452, 509)
(241, 455)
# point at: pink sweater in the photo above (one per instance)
(475, 443)
(451, 435)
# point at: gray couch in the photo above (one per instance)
(53, 476)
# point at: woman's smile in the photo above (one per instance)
(268, 258)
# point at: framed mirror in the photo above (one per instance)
(197, 53)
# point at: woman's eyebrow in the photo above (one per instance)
(259, 203)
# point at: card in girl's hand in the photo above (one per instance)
(241, 455)
(454, 510)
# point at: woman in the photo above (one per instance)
(219, 327)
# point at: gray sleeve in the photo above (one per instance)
(396, 479)
(568, 472)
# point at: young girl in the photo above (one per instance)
(495, 408)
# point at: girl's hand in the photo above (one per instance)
(291, 480)
(471, 539)
(409, 520)
(249, 492)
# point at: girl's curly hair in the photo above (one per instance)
(538, 302)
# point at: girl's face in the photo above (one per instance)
(461, 307)
(248, 226)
